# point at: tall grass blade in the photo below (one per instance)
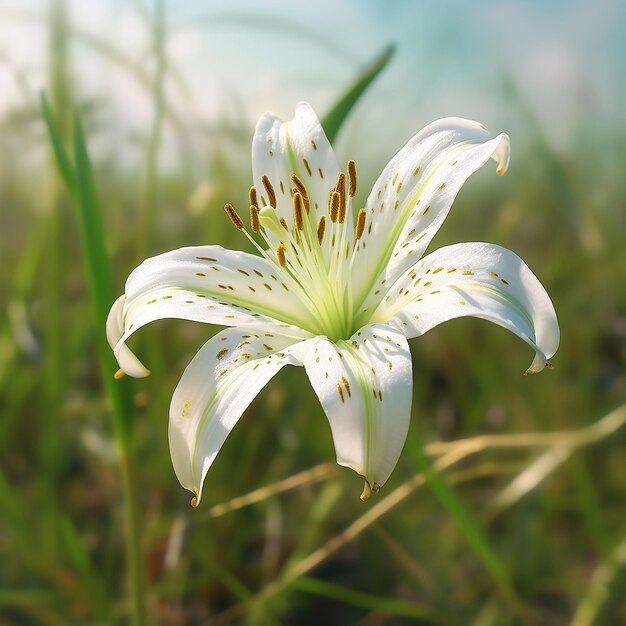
(334, 119)
(83, 192)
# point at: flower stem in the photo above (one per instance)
(134, 563)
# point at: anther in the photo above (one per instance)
(271, 195)
(360, 224)
(283, 223)
(335, 201)
(340, 188)
(299, 185)
(280, 254)
(321, 228)
(351, 178)
(234, 217)
(253, 197)
(297, 211)
(255, 225)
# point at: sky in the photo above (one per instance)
(235, 60)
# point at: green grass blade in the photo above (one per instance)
(370, 602)
(92, 236)
(472, 532)
(334, 119)
(61, 158)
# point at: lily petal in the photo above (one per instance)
(215, 389)
(474, 279)
(365, 387)
(414, 193)
(281, 149)
(206, 284)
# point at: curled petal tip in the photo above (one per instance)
(366, 493)
(500, 170)
(194, 502)
(119, 374)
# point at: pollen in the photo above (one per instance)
(298, 204)
(255, 225)
(351, 178)
(334, 206)
(360, 224)
(280, 254)
(234, 216)
(221, 354)
(299, 185)
(253, 197)
(271, 194)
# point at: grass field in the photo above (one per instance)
(519, 519)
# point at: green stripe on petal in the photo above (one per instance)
(479, 280)
(205, 284)
(365, 387)
(414, 193)
(216, 388)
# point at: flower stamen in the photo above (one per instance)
(360, 224)
(255, 225)
(335, 201)
(280, 254)
(351, 178)
(298, 204)
(234, 216)
(299, 185)
(271, 194)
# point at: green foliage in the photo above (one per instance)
(334, 119)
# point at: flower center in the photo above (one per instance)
(314, 250)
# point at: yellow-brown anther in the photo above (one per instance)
(321, 228)
(253, 197)
(254, 218)
(351, 178)
(335, 201)
(271, 195)
(340, 188)
(298, 204)
(299, 185)
(360, 224)
(283, 223)
(234, 217)
(280, 254)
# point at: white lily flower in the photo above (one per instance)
(337, 293)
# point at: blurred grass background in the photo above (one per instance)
(528, 529)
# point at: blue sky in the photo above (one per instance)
(565, 58)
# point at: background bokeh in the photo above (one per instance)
(169, 93)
